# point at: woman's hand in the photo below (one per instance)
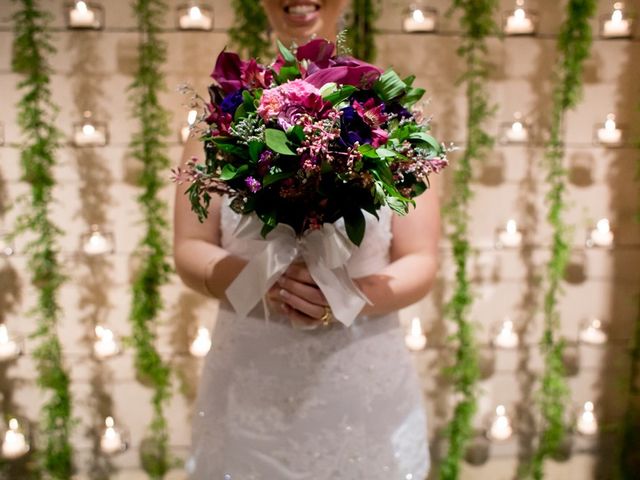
(297, 296)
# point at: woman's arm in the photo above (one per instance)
(414, 258)
(200, 262)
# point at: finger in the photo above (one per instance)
(300, 272)
(309, 293)
(298, 320)
(302, 305)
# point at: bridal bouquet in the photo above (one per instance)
(310, 139)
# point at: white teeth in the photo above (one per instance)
(302, 9)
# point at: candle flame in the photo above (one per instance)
(595, 323)
(517, 126)
(610, 122)
(4, 333)
(418, 15)
(13, 424)
(603, 225)
(507, 326)
(501, 411)
(108, 422)
(588, 406)
(511, 227)
(416, 327)
(192, 116)
(616, 16)
(88, 129)
(195, 13)
(81, 6)
(520, 14)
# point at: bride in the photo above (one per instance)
(299, 397)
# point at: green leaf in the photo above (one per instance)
(426, 138)
(275, 177)
(288, 72)
(355, 225)
(368, 151)
(229, 172)
(412, 96)
(389, 86)
(248, 101)
(287, 54)
(277, 141)
(385, 153)
(340, 95)
(255, 149)
(297, 133)
(240, 112)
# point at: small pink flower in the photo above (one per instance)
(294, 93)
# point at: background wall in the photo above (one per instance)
(92, 72)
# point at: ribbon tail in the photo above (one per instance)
(259, 275)
(344, 297)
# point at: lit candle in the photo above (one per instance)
(81, 16)
(201, 344)
(610, 133)
(506, 337)
(416, 339)
(111, 440)
(501, 428)
(9, 349)
(587, 423)
(519, 23)
(192, 117)
(601, 236)
(417, 21)
(517, 133)
(593, 333)
(14, 444)
(510, 236)
(97, 243)
(194, 19)
(88, 134)
(617, 26)
(105, 346)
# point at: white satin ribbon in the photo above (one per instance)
(325, 252)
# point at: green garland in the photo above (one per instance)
(149, 147)
(574, 42)
(478, 23)
(250, 30)
(630, 442)
(361, 28)
(32, 47)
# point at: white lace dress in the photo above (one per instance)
(335, 403)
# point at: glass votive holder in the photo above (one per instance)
(201, 345)
(89, 133)
(105, 345)
(11, 346)
(505, 335)
(520, 21)
(508, 236)
(600, 236)
(586, 422)
(608, 133)
(15, 439)
(97, 241)
(618, 24)
(113, 439)
(84, 15)
(516, 131)
(420, 19)
(195, 16)
(592, 332)
(500, 425)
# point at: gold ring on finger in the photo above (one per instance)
(327, 318)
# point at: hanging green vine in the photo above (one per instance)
(630, 443)
(149, 147)
(32, 47)
(477, 23)
(250, 30)
(574, 42)
(361, 29)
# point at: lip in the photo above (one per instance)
(301, 13)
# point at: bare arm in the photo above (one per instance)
(200, 262)
(414, 258)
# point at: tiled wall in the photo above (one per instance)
(92, 71)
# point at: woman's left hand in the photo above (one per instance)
(301, 299)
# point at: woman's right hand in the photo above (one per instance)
(297, 296)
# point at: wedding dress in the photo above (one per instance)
(278, 403)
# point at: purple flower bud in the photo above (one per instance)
(252, 184)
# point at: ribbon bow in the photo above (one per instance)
(325, 252)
